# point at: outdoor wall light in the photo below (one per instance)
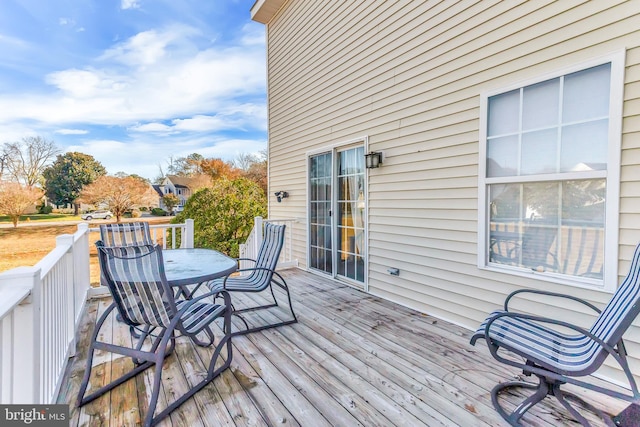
(281, 195)
(373, 160)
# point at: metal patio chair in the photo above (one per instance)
(141, 295)
(558, 357)
(259, 278)
(125, 234)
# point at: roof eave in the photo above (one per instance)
(264, 10)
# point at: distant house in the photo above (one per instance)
(181, 186)
(509, 135)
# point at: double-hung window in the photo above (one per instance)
(549, 174)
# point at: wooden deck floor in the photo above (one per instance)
(352, 360)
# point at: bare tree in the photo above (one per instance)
(16, 198)
(25, 161)
(160, 177)
(244, 161)
(119, 194)
(3, 163)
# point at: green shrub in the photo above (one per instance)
(223, 214)
(158, 212)
(45, 209)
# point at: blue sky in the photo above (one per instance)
(134, 82)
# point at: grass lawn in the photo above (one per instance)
(26, 246)
(43, 217)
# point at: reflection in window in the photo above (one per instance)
(539, 137)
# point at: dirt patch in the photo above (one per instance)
(26, 246)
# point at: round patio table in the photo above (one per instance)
(184, 267)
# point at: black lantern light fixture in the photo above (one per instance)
(373, 160)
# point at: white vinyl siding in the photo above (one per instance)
(409, 74)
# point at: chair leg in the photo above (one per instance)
(292, 320)
(513, 418)
(546, 387)
(212, 373)
(141, 366)
(562, 398)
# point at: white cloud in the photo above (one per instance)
(152, 127)
(148, 47)
(241, 117)
(71, 131)
(129, 4)
(253, 34)
(162, 76)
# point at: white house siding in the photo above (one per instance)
(409, 74)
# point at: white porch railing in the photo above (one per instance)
(250, 248)
(39, 310)
(160, 232)
(40, 307)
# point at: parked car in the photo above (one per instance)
(97, 215)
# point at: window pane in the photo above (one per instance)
(584, 146)
(586, 94)
(539, 152)
(540, 105)
(583, 219)
(541, 202)
(504, 224)
(530, 228)
(503, 113)
(502, 156)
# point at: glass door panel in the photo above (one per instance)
(350, 220)
(320, 229)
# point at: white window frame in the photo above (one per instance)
(612, 175)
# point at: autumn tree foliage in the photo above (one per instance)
(218, 168)
(224, 213)
(16, 199)
(119, 194)
(170, 201)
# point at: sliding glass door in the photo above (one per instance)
(337, 213)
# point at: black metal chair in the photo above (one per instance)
(141, 295)
(259, 278)
(557, 357)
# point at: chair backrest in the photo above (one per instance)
(269, 252)
(623, 308)
(135, 277)
(126, 234)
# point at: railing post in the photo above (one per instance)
(26, 372)
(187, 238)
(257, 226)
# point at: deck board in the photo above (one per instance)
(353, 359)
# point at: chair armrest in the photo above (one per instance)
(551, 294)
